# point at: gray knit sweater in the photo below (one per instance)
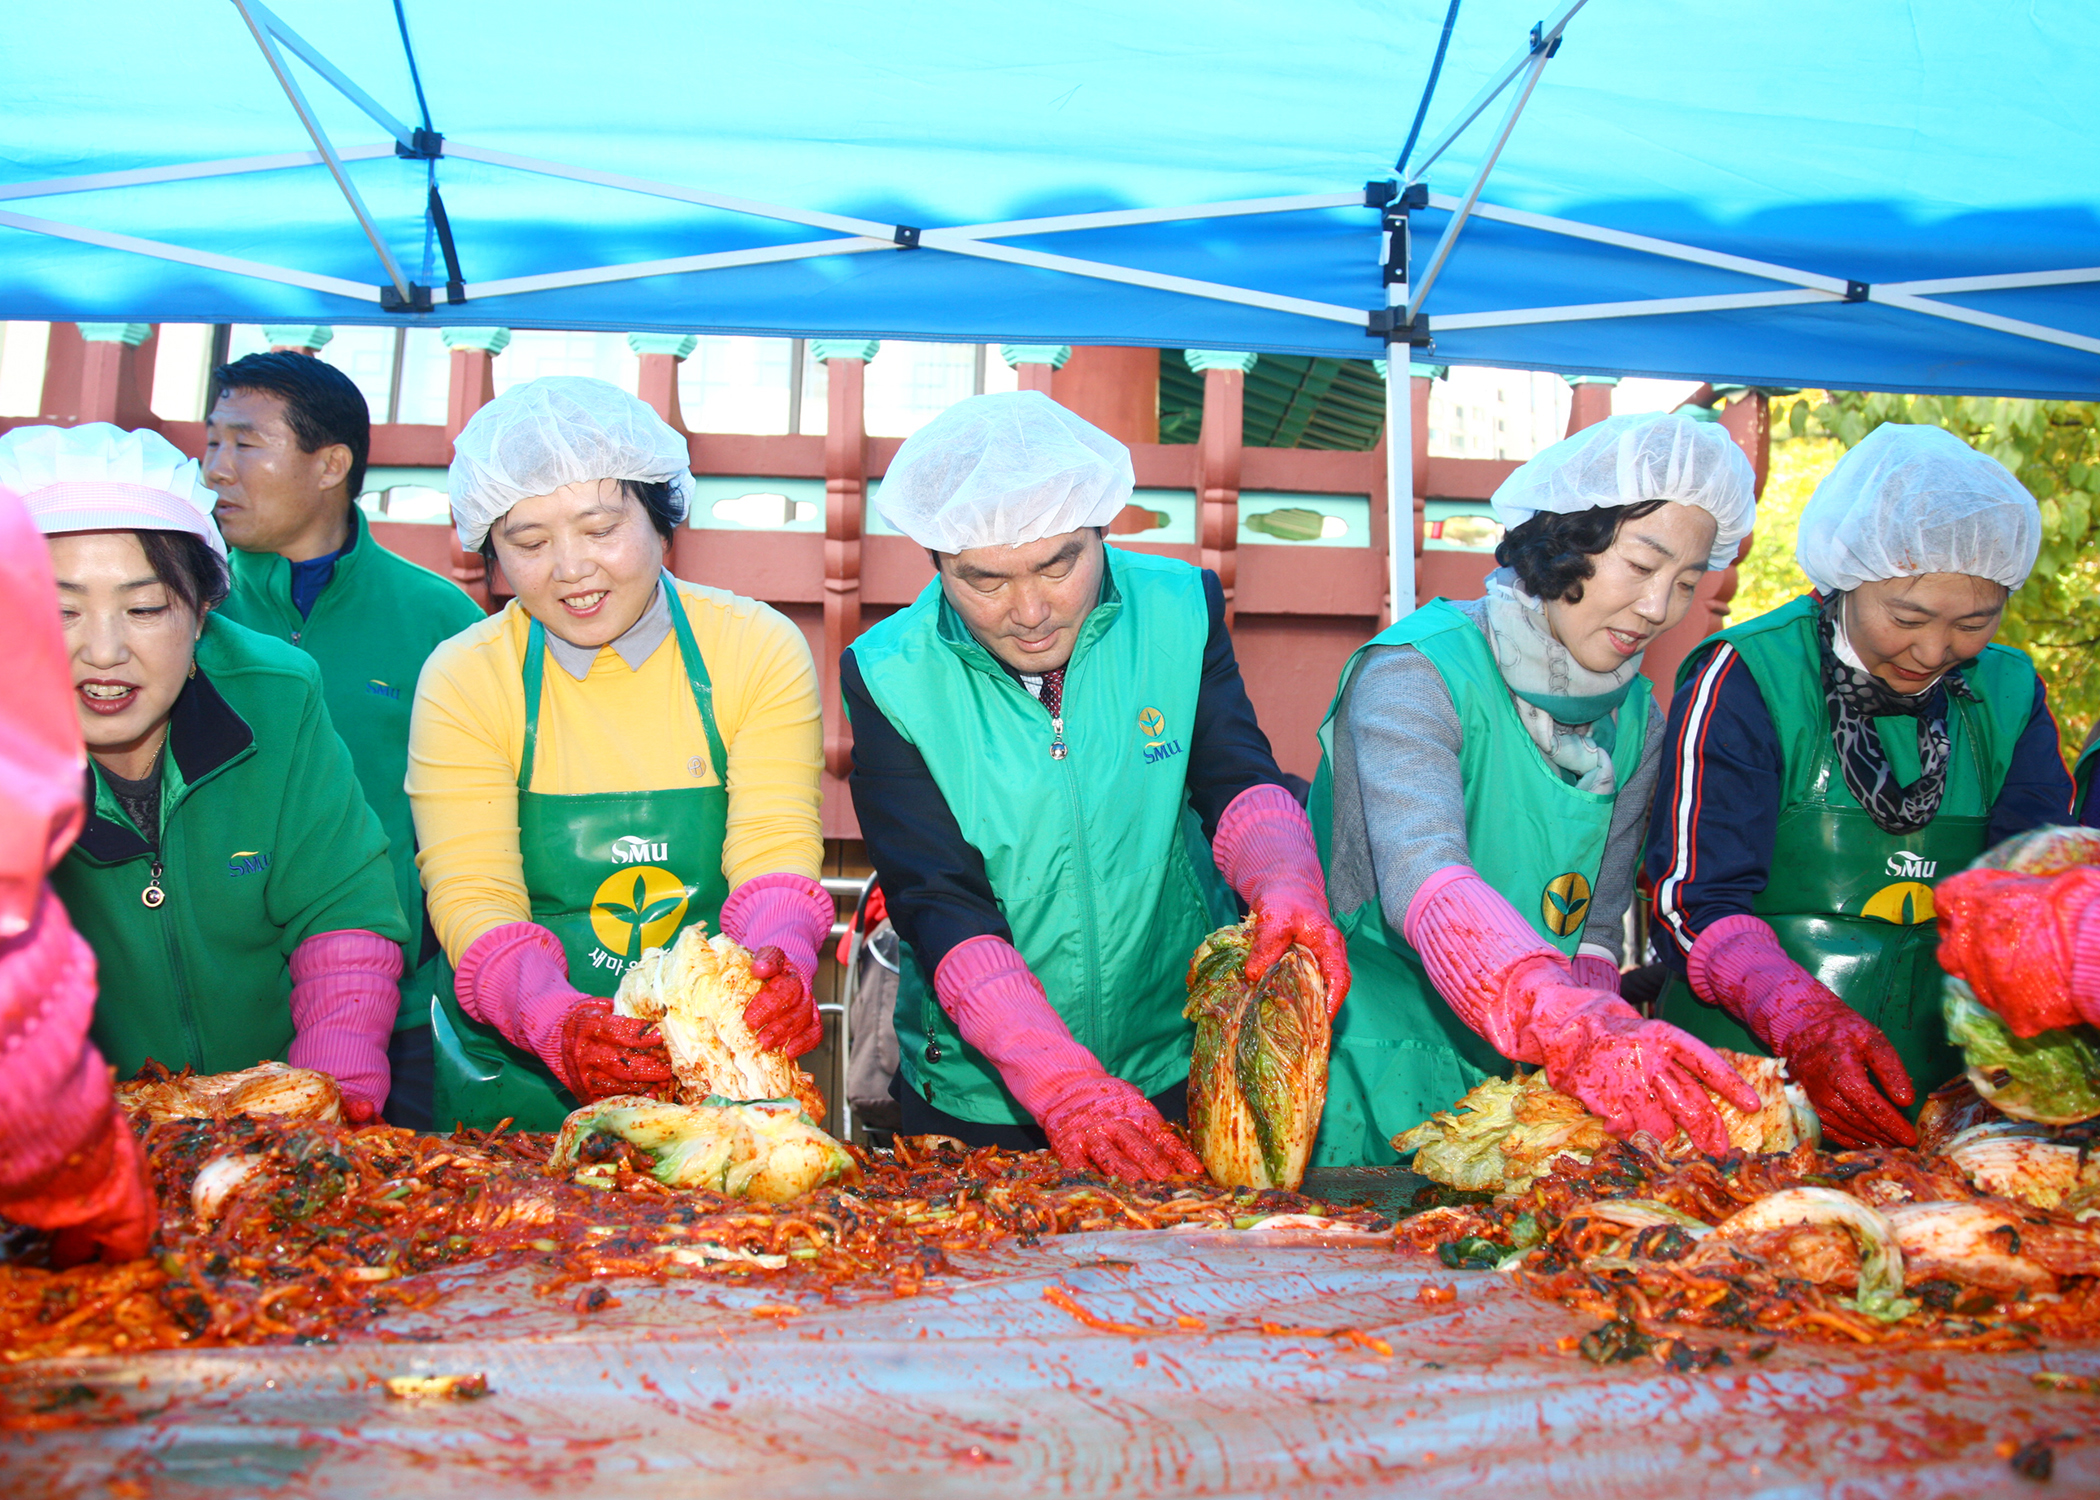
(1399, 798)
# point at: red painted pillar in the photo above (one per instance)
(657, 384)
(1218, 451)
(100, 372)
(1115, 389)
(1591, 400)
(473, 386)
(845, 511)
(1035, 366)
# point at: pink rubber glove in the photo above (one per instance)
(1095, 1122)
(40, 751)
(68, 1160)
(782, 918)
(345, 994)
(2028, 945)
(1593, 971)
(1519, 994)
(1831, 1050)
(1264, 849)
(516, 979)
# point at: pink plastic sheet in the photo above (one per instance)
(981, 1387)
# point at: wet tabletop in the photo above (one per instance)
(1235, 1366)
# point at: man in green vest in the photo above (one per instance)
(1054, 764)
(285, 449)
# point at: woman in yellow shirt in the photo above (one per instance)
(612, 758)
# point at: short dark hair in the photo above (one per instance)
(321, 403)
(187, 568)
(1551, 553)
(655, 497)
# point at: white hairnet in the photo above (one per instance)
(1002, 471)
(557, 430)
(1913, 499)
(1640, 456)
(99, 477)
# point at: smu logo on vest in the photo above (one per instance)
(247, 862)
(633, 910)
(1906, 903)
(1158, 747)
(1904, 865)
(1565, 903)
(636, 849)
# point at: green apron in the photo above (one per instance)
(610, 874)
(1850, 903)
(1400, 1052)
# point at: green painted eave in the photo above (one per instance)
(1292, 401)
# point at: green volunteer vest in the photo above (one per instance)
(1100, 867)
(611, 874)
(264, 841)
(1850, 903)
(370, 632)
(1400, 1052)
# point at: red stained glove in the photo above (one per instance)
(1638, 1074)
(99, 1203)
(603, 1054)
(783, 1014)
(1102, 1124)
(1264, 849)
(1839, 1058)
(2028, 945)
(1096, 1123)
(1495, 971)
(782, 918)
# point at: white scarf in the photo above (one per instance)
(1534, 665)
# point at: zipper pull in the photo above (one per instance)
(1057, 736)
(153, 895)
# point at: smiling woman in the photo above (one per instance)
(1833, 758)
(229, 876)
(614, 757)
(1485, 786)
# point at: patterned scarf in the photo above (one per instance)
(1856, 699)
(1566, 707)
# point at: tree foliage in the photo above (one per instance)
(2051, 447)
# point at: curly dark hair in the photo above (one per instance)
(1551, 553)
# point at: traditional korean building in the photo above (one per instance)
(1269, 469)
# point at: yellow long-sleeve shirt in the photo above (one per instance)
(618, 730)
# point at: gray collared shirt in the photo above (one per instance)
(636, 644)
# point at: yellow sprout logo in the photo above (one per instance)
(1566, 902)
(1153, 722)
(1906, 903)
(636, 908)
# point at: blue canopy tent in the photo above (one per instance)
(1889, 194)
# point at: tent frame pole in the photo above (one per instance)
(1448, 241)
(1544, 38)
(267, 42)
(256, 14)
(1399, 481)
(204, 260)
